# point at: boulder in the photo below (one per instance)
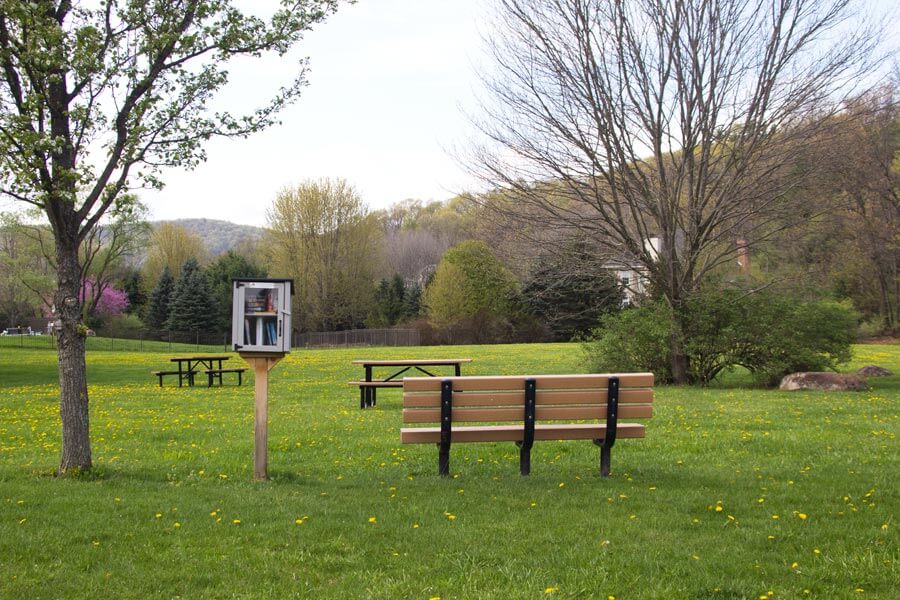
(874, 371)
(824, 381)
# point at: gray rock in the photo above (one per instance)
(874, 371)
(824, 381)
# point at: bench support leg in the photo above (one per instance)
(362, 397)
(605, 459)
(524, 459)
(444, 460)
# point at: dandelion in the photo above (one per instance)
(801, 516)
(816, 551)
(176, 525)
(373, 520)
(415, 526)
(794, 565)
(695, 557)
(562, 485)
(236, 522)
(776, 517)
(158, 515)
(859, 590)
(551, 590)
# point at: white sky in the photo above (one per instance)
(388, 85)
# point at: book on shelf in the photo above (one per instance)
(248, 333)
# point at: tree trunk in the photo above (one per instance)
(678, 359)
(73, 394)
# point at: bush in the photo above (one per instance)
(767, 333)
(635, 339)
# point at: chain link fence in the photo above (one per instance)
(168, 341)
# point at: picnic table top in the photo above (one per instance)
(412, 362)
(199, 357)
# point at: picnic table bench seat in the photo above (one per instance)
(370, 385)
(525, 409)
(213, 373)
(180, 374)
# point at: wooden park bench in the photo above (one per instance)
(217, 373)
(523, 409)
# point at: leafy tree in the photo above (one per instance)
(95, 99)
(171, 245)
(472, 296)
(160, 301)
(219, 275)
(191, 306)
(673, 119)
(321, 236)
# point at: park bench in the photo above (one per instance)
(217, 373)
(180, 374)
(523, 409)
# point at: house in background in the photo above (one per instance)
(632, 275)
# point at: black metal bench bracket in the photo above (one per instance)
(446, 422)
(528, 432)
(612, 418)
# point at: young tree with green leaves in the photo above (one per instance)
(472, 294)
(96, 98)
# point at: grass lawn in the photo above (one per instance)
(734, 493)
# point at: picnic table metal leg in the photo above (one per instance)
(370, 392)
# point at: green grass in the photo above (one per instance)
(734, 493)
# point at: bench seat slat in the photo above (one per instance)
(509, 398)
(542, 413)
(514, 433)
(514, 382)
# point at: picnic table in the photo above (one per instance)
(368, 386)
(188, 366)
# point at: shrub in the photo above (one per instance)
(767, 333)
(635, 339)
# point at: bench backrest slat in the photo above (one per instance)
(542, 397)
(514, 382)
(502, 398)
(556, 413)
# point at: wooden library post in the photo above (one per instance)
(262, 364)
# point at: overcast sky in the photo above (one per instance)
(388, 84)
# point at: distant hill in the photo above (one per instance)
(219, 236)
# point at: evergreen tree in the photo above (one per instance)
(398, 298)
(160, 300)
(568, 295)
(191, 308)
(412, 305)
(132, 283)
(219, 275)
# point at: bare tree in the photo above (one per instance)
(622, 121)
